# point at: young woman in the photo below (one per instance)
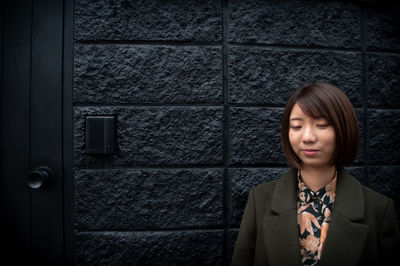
(317, 213)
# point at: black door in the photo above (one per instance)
(33, 169)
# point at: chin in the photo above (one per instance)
(314, 163)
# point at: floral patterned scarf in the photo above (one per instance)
(313, 217)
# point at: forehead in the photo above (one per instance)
(296, 110)
(298, 114)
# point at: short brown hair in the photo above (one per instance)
(327, 101)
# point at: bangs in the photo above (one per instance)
(313, 107)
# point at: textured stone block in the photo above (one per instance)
(383, 136)
(255, 135)
(311, 23)
(233, 233)
(383, 27)
(155, 136)
(383, 80)
(137, 199)
(360, 153)
(150, 248)
(265, 75)
(148, 20)
(242, 181)
(386, 180)
(147, 74)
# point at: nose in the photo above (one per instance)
(309, 135)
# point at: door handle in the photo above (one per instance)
(39, 177)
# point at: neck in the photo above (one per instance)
(317, 177)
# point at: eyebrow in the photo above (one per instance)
(301, 119)
(296, 118)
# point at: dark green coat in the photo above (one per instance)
(363, 228)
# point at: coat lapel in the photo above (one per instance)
(346, 236)
(281, 235)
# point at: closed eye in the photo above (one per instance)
(323, 125)
(295, 127)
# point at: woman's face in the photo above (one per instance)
(312, 139)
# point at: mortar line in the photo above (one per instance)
(226, 133)
(233, 44)
(364, 82)
(234, 105)
(213, 167)
(149, 230)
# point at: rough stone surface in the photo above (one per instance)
(386, 180)
(255, 135)
(170, 195)
(242, 181)
(269, 75)
(148, 20)
(137, 199)
(311, 23)
(150, 248)
(383, 27)
(383, 80)
(233, 233)
(147, 74)
(383, 136)
(360, 153)
(155, 136)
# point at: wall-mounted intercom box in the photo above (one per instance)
(100, 135)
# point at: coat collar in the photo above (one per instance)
(349, 201)
(281, 234)
(284, 197)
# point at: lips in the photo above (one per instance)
(310, 152)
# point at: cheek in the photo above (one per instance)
(293, 139)
(330, 140)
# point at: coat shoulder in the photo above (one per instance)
(266, 187)
(375, 199)
(273, 189)
(355, 200)
(270, 186)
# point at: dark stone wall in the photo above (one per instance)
(198, 89)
